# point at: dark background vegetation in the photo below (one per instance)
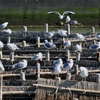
(34, 12)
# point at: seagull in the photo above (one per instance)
(78, 48)
(59, 61)
(1, 45)
(83, 72)
(50, 35)
(56, 69)
(67, 44)
(68, 19)
(97, 37)
(12, 46)
(68, 65)
(4, 25)
(49, 45)
(95, 46)
(6, 32)
(2, 69)
(37, 56)
(62, 33)
(80, 37)
(61, 16)
(20, 65)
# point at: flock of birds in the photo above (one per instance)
(58, 65)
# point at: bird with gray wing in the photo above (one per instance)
(49, 45)
(68, 65)
(6, 32)
(3, 25)
(20, 65)
(37, 57)
(12, 46)
(83, 72)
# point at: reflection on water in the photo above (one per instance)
(42, 29)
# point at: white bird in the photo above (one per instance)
(68, 65)
(12, 46)
(67, 19)
(37, 56)
(80, 37)
(1, 45)
(95, 46)
(20, 65)
(2, 69)
(57, 69)
(59, 61)
(62, 33)
(78, 48)
(4, 25)
(49, 45)
(6, 32)
(83, 72)
(49, 35)
(67, 44)
(61, 16)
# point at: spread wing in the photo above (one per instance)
(68, 12)
(54, 12)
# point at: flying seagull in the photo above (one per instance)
(61, 16)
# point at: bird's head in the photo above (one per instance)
(46, 40)
(25, 61)
(71, 60)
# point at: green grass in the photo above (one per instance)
(29, 16)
